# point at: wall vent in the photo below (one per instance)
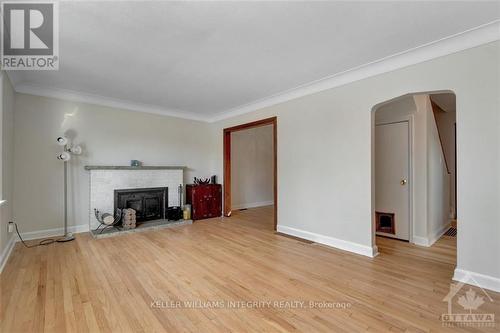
(385, 223)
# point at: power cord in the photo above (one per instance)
(45, 241)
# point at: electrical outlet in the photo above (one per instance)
(10, 227)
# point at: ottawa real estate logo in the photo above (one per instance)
(464, 306)
(29, 35)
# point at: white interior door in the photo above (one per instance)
(392, 154)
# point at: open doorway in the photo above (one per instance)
(414, 175)
(250, 172)
(444, 110)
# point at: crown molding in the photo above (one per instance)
(480, 35)
(76, 96)
(477, 36)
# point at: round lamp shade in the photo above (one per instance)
(76, 150)
(62, 141)
(64, 156)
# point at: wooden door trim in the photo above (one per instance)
(227, 162)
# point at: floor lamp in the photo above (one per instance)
(65, 156)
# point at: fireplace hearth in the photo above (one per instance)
(149, 203)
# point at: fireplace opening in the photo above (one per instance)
(149, 203)
(385, 223)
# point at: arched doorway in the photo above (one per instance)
(414, 168)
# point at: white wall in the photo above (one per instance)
(7, 165)
(446, 125)
(324, 154)
(252, 167)
(438, 179)
(395, 110)
(109, 137)
(1, 132)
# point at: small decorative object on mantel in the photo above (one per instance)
(135, 163)
(213, 179)
(128, 218)
(201, 181)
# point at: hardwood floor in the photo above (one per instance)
(112, 284)
(259, 218)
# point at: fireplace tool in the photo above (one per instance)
(175, 213)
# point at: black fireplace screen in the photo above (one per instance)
(149, 203)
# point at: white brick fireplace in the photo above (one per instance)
(104, 180)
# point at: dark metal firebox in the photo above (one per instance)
(149, 203)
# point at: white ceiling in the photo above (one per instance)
(200, 59)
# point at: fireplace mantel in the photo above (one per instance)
(146, 167)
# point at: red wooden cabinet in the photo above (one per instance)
(205, 200)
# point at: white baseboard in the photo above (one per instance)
(330, 241)
(252, 205)
(438, 233)
(477, 279)
(4, 257)
(53, 232)
(421, 241)
(429, 241)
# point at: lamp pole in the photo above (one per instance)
(68, 236)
